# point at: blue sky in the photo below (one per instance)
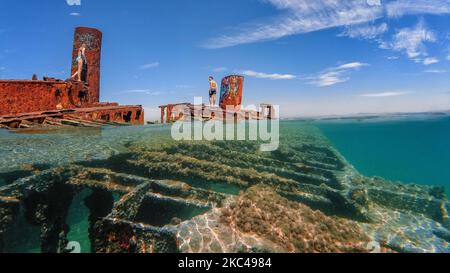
(310, 57)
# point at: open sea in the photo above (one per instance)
(411, 149)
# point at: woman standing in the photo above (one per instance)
(81, 60)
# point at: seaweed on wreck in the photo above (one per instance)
(172, 195)
(294, 226)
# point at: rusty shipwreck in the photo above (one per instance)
(55, 102)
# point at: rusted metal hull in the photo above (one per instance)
(231, 92)
(83, 117)
(92, 38)
(24, 96)
(230, 106)
(28, 103)
(187, 112)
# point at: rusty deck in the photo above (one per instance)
(56, 102)
(187, 111)
(85, 117)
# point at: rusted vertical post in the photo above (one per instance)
(169, 113)
(93, 40)
(231, 92)
(163, 110)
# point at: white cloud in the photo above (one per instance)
(435, 71)
(365, 31)
(354, 65)
(75, 14)
(328, 79)
(73, 2)
(411, 41)
(374, 2)
(448, 58)
(149, 66)
(407, 7)
(386, 94)
(334, 75)
(303, 16)
(430, 61)
(260, 75)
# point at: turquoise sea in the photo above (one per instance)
(411, 149)
(408, 148)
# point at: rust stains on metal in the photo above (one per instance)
(187, 112)
(100, 115)
(230, 106)
(231, 92)
(26, 103)
(31, 96)
(92, 39)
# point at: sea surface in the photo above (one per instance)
(411, 149)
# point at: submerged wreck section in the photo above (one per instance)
(226, 197)
(31, 103)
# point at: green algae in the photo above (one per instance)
(195, 180)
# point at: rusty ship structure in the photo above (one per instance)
(230, 106)
(54, 102)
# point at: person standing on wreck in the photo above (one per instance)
(212, 91)
(81, 60)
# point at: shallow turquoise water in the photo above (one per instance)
(78, 222)
(413, 149)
